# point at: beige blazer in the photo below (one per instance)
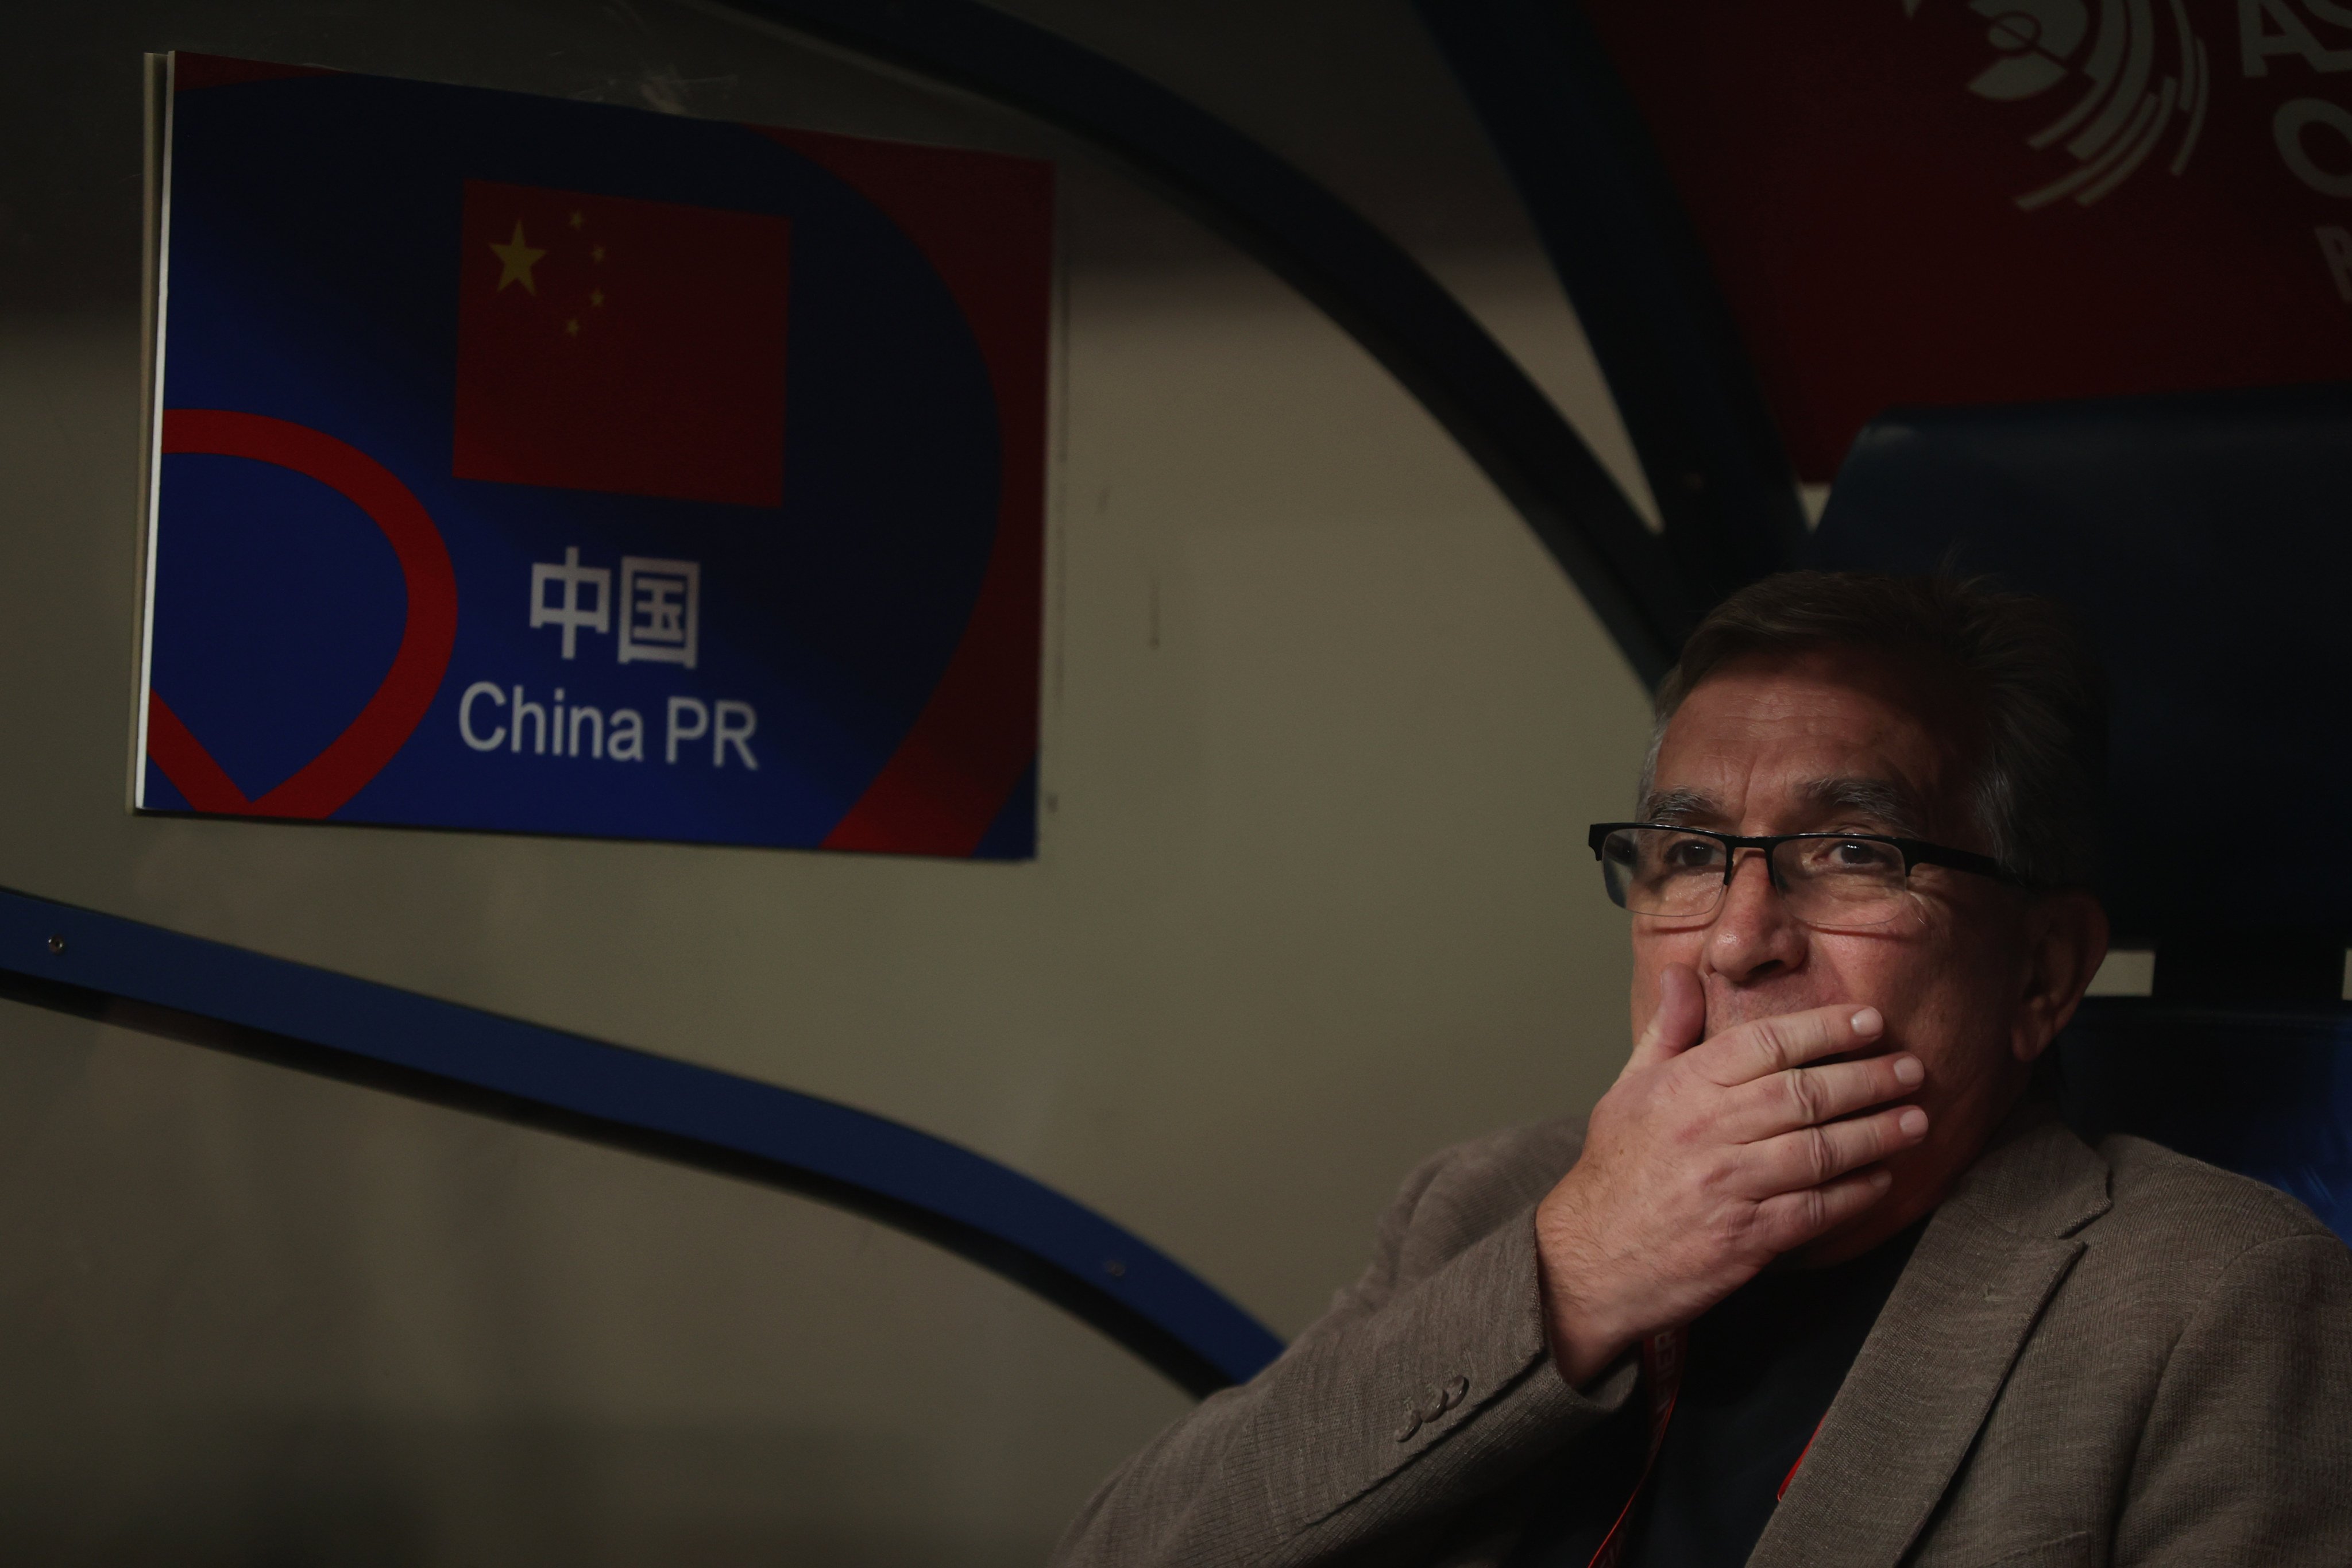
(2118, 1355)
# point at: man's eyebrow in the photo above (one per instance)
(1873, 801)
(1678, 807)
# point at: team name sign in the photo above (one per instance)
(542, 467)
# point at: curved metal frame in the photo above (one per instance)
(142, 977)
(1609, 217)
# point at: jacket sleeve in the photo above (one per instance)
(2249, 1440)
(1422, 1389)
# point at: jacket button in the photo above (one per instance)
(1412, 1424)
(1455, 1387)
(1432, 1405)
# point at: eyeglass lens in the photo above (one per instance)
(1826, 881)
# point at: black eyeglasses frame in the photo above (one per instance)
(1915, 851)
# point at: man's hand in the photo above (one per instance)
(1705, 1162)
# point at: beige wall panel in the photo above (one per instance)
(250, 1316)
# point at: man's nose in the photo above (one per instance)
(1754, 934)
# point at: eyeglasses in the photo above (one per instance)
(1833, 879)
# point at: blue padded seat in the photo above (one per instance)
(2205, 542)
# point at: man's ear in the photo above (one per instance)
(2066, 941)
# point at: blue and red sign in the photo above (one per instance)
(543, 467)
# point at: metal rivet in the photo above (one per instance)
(56, 945)
(1114, 1268)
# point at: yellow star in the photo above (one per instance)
(572, 327)
(577, 219)
(595, 253)
(595, 296)
(515, 260)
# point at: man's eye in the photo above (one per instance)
(1693, 855)
(1859, 854)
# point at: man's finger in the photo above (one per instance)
(1793, 1219)
(1812, 1155)
(1804, 1097)
(1766, 1045)
(1676, 1023)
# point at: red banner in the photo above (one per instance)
(1975, 201)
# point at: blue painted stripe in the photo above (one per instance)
(1022, 1227)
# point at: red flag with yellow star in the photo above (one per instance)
(635, 347)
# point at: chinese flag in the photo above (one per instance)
(610, 344)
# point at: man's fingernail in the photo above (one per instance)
(1914, 1122)
(1908, 1071)
(1868, 1021)
(1882, 1179)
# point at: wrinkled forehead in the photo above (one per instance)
(1824, 738)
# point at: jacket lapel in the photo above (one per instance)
(1928, 1374)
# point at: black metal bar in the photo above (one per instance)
(1575, 144)
(2249, 966)
(1334, 257)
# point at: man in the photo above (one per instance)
(1823, 1281)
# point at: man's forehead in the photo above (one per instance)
(1853, 799)
(1829, 734)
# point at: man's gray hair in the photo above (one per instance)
(2039, 692)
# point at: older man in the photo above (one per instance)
(1824, 1280)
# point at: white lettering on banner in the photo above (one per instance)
(571, 614)
(495, 718)
(538, 717)
(682, 705)
(2287, 128)
(661, 609)
(691, 719)
(583, 715)
(2336, 245)
(733, 724)
(2256, 42)
(627, 741)
(497, 737)
(658, 608)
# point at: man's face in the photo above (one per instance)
(1845, 740)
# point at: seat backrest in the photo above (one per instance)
(2205, 542)
(2266, 1093)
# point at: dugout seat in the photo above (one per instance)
(2205, 541)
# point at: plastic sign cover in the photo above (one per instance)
(1953, 202)
(546, 467)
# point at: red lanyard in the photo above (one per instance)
(1801, 1460)
(1662, 1374)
